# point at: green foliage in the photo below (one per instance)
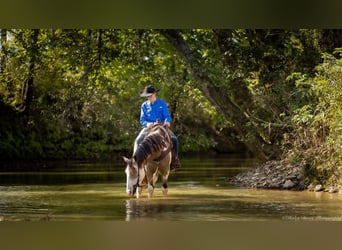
(317, 140)
(86, 84)
(86, 93)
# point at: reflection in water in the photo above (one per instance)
(132, 209)
(138, 209)
(146, 209)
(231, 204)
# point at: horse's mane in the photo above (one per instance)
(154, 141)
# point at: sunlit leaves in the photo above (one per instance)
(318, 141)
(87, 84)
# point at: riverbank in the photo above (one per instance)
(33, 165)
(274, 175)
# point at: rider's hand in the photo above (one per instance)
(167, 124)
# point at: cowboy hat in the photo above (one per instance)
(148, 91)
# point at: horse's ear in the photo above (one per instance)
(125, 159)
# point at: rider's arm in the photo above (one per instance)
(143, 117)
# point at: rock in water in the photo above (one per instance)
(318, 188)
(288, 184)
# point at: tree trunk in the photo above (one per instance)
(226, 105)
(29, 82)
(3, 53)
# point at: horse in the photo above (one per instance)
(151, 158)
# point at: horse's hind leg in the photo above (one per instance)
(164, 184)
(165, 171)
(164, 189)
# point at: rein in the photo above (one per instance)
(137, 184)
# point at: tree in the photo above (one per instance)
(28, 86)
(316, 141)
(229, 96)
(79, 88)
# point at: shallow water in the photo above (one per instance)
(198, 192)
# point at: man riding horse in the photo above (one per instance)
(155, 111)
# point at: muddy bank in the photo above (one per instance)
(274, 175)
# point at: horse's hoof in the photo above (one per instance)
(164, 191)
(150, 191)
(139, 191)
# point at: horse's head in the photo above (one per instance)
(132, 174)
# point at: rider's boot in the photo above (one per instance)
(175, 163)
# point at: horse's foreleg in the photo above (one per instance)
(139, 191)
(152, 177)
(142, 182)
(150, 189)
(155, 178)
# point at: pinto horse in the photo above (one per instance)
(152, 157)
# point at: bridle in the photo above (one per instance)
(135, 186)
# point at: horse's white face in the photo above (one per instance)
(132, 174)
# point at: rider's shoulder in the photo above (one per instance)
(161, 101)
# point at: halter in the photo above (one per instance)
(135, 186)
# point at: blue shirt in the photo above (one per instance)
(158, 111)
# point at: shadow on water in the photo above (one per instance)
(198, 192)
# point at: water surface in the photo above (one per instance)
(198, 192)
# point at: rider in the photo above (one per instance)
(154, 110)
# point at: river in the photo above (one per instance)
(197, 192)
